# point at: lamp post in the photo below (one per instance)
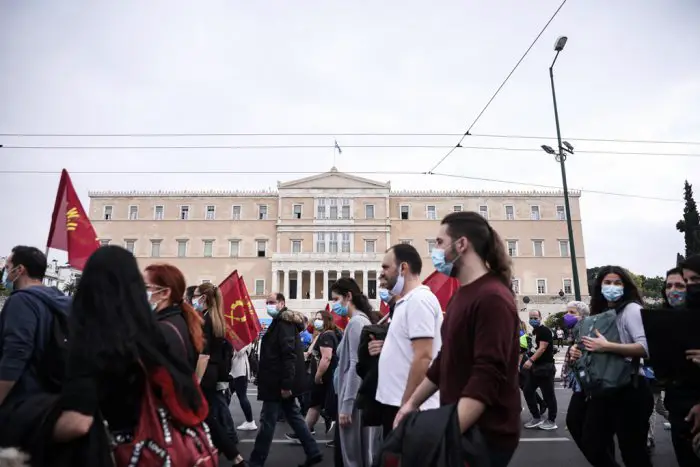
(560, 156)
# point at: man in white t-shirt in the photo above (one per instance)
(413, 340)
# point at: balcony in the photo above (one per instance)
(338, 257)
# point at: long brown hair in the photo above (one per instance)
(168, 276)
(215, 303)
(328, 321)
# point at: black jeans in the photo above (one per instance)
(542, 378)
(221, 426)
(523, 380)
(594, 422)
(239, 386)
(388, 415)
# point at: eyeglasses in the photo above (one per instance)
(269, 302)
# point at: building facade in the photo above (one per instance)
(302, 237)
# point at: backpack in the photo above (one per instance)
(159, 440)
(599, 373)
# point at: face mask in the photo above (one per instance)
(570, 321)
(692, 296)
(198, 305)
(676, 298)
(384, 295)
(339, 309)
(440, 263)
(398, 287)
(535, 323)
(6, 282)
(612, 293)
(318, 324)
(272, 311)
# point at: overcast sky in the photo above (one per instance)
(629, 71)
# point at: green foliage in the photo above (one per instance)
(555, 320)
(3, 291)
(689, 226)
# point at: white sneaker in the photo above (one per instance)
(534, 423)
(548, 425)
(248, 426)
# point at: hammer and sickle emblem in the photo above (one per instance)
(72, 217)
(231, 316)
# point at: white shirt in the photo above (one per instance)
(239, 363)
(416, 315)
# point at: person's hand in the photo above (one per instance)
(574, 353)
(375, 346)
(318, 379)
(693, 418)
(693, 356)
(345, 419)
(405, 409)
(595, 344)
(286, 393)
(527, 365)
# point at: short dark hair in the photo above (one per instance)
(189, 293)
(280, 297)
(408, 254)
(33, 260)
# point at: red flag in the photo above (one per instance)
(242, 323)
(340, 321)
(444, 287)
(71, 229)
(383, 308)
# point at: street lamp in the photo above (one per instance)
(560, 156)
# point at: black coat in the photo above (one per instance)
(282, 363)
(367, 368)
(178, 338)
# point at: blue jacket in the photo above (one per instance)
(25, 326)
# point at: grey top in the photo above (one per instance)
(631, 328)
(348, 382)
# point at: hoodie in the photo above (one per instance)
(25, 326)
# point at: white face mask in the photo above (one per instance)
(318, 324)
(398, 287)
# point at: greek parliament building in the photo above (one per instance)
(311, 231)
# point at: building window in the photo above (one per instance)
(321, 210)
(431, 246)
(182, 248)
(133, 213)
(234, 248)
(510, 213)
(538, 248)
(568, 286)
(541, 286)
(534, 213)
(108, 213)
(262, 212)
(515, 286)
(296, 211)
(333, 242)
(259, 287)
(513, 247)
(484, 211)
(211, 213)
(321, 242)
(346, 242)
(457, 208)
(155, 248)
(334, 208)
(104, 242)
(370, 246)
(405, 241)
(184, 213)
(404, 210)
(130, 245)
(345, 212)
(236, 213)
(262, 247)
(431, 213)
(208, 248)
(369, 211)
(158, 213)
(296, 246)
(564, 248)
(561, 213)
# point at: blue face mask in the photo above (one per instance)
(339, 309)
(676, 298)
(273, 311)
(198, 305)
(612, 293)
(440, 263)
(6, 282)
(318, 324)
(535, 323)
(384, 295)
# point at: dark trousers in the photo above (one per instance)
(388, 415)
(239, 386)
(544, 380)
(500, 458)
(682, 440)
(594, 422)
(524, 379)
(268, 420)
(221, 426)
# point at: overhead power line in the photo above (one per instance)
(469, 129)
(335, 134)
(373, 172)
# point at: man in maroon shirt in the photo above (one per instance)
(477, 367)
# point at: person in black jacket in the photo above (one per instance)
(281, 377)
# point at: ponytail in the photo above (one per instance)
(498, 260)
(215, 303)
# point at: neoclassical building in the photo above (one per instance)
(303, 236)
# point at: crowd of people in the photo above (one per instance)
(135, 369)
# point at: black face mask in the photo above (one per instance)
(692, 296)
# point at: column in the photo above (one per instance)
(365, 279)
(325, 285)
(300, 275)
(285, 285)
(312, 284)
(275, 279)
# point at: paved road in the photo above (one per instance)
(536, 447)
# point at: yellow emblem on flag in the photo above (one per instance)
(231, 316)
(72, 217)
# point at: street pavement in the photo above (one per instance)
(537, 447)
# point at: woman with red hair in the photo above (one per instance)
(182, 326)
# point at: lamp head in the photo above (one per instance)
(568, 146)
(548, 149)
(560, 43)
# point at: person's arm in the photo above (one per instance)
(546, 339)
(18, 337)
(352, 380)
(428, 386)
(422, 355)
(632, 322)
(325, 347)
(421, 323)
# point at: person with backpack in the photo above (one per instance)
(616, 398)
(208, 301)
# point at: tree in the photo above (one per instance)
(69, 288)
(555, 320)
(689, 226)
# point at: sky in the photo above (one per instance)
(180, 67)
